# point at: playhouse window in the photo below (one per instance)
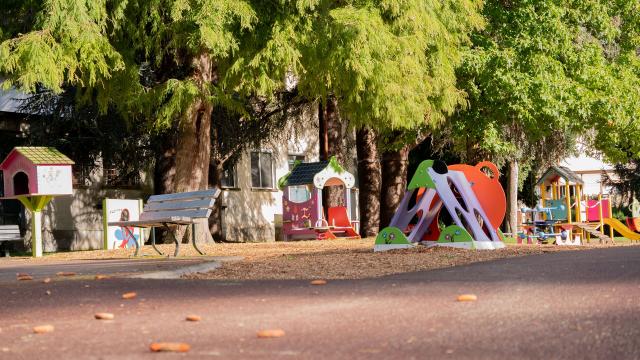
(299, 193)
(261, 170)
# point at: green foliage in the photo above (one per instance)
(545, 72)
(66, 44)
(391, 63)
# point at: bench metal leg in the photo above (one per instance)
(193, 238)
(175, 239)
(153, 240)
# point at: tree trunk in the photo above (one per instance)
(215, 220)
(512, 198)
(216, 168)
(193, 149)
(394, 182)
(369, 176)
(165, 169)
(333, 138)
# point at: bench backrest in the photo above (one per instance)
(9, 233)
(194, 204)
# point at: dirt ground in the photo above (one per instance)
(353, 259)
(333, 259)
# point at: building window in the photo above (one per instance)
(229, 177)
(261, 170)
(81, 175)
(293, 158)
(118, 178)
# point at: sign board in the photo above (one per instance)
(120, 237)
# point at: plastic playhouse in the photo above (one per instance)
(303, 214)
(456, 205)
(565, 216)
(34, 176)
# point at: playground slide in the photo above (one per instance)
(622, 229)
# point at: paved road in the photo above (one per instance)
(568, 305)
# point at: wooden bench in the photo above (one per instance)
(173, 209)
(9, 233)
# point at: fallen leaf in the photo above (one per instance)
(46, 280)
(271, 333)
(48, 292)
(65, 273)
(25, 277)
(319, 282)
(101, 277)
(193, 318)
(104, 316)
(42, 329)
(467, 297)
(21, 274)
(169, 346)
(129, 295)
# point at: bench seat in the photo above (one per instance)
(176, 220)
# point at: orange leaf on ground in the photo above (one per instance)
(46, 280)
(193, 318)
(271, 333)
(169, 346)
(129, 295)
(104, 316)
(319, 282)
(467, 297)
(65, 273)
(102, 277)
(25, 277)
(42, 329)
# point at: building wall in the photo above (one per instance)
(255, 215)
(590, 169)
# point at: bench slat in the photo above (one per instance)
(10, 238)
(154, 222)
(187, 195)
(152, 215)
(9, 227)
(179, 205)
(12, 231)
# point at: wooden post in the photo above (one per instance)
(600, 211)
(578, 197)
(543, 196)
(567, 196)
(35, 205)
(611, 215)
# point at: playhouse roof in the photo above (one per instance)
(318, 173)
(556, 171)
(303, 173)
(39, 155)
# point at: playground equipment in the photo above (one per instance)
(303, 214)
(35, 175)
(561, 191)
(472, 202)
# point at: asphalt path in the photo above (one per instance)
(566, 305)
